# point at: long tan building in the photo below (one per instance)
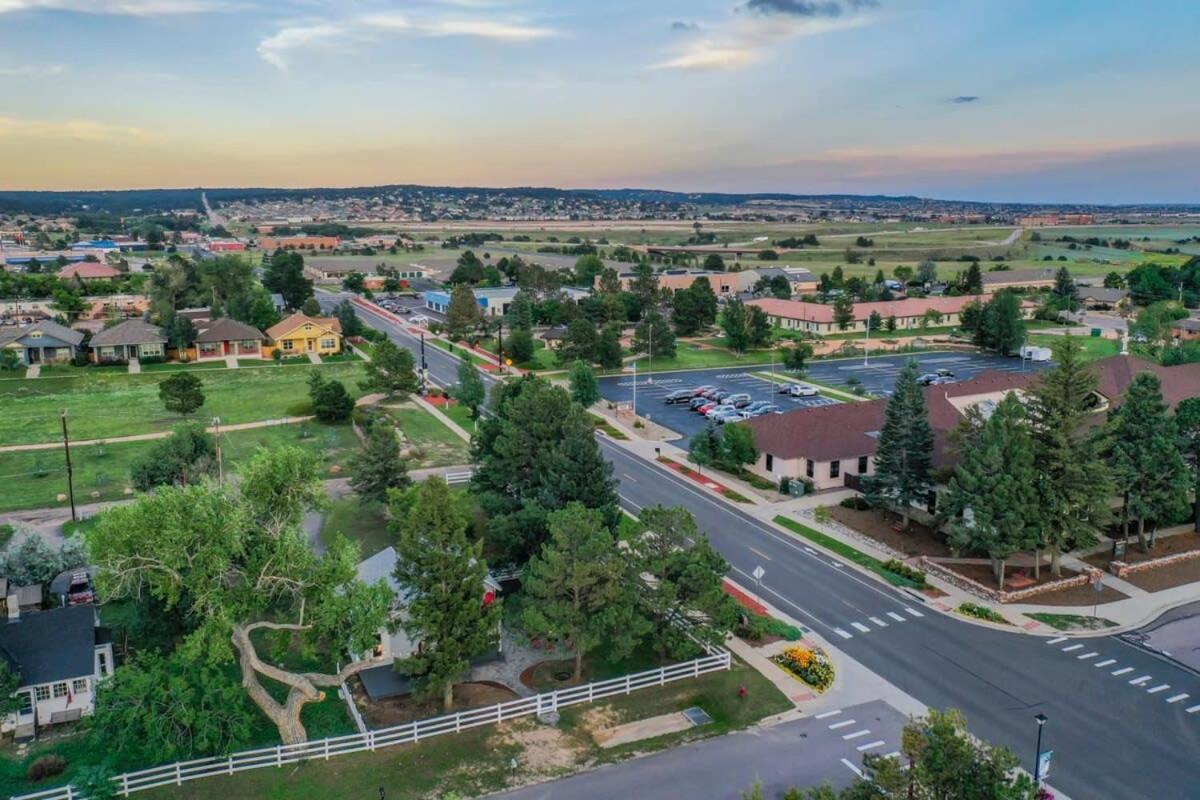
(910, 313)
(726, 283)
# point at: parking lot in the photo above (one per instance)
(877, 377)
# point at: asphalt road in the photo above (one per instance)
(805, 752)
(1123, 722)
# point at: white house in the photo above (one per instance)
(59, 655)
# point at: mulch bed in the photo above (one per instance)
(703, 480)
(877, 525)
(746, 601)
(1163, 546)
(1155, 580)
(397, 710)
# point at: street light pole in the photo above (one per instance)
(1037, 759)
(424, 366)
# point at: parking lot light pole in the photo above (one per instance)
(867, 344)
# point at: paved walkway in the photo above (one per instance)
(135, 366)
(314, 358)
(147, 437)
(33, 371)
(231, 362)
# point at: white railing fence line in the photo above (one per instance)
(406, 733)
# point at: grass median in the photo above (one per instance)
(849, 553)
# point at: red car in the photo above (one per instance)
(704, 409)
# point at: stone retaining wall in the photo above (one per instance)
(1121, 569)
(1000, 595)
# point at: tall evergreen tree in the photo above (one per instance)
(463, 314)
(994, 489)
(470, 390)
(654, 336)
(1149, 472)
(1187, 429)
(378, 466)
(1000, 326)
(584, 389)
(443, 572)
(608, 349)
(578, 589)
(843, 311)
(580, 342)
(973, 280)
(1073, 480)
(1065, 292)
(904, 454)
(694, 308)
(735, 320)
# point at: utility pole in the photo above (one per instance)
(424, 366)
(500, 343)
(220, 465)
(867, 345)
(70, 474)
(650, 370)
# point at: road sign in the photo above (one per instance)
(758, 573)
(1044, 763)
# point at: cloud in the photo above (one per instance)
(279, 48)
(77, 129)
(746, 41)
(32, 70)
(680, 25)
(808, 8)
(964, 98)
(125, 8)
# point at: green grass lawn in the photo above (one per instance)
(438, 445)
(460, 414)
(846, 551)
(33, 479)
(109, 405)
(359, 520)
(690, 357)
(1073, 622)
(1094, 347)
(177, 366)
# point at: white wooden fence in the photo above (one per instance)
(408, 733)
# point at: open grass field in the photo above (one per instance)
(1093, 348)
(107, 405)
(34, 479)
(438, 446)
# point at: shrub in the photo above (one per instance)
(811, 666)
(821, 514)
(905, 571)
(982, 612)
(756, 627)
(45, 767)
(857, 503)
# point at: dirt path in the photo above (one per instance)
(147, 437)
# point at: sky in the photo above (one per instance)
(1007, 100)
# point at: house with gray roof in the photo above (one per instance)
(223, 337)
(44, 342)
(133, 338)
(59, 657)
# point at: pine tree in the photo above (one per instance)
(577, 587)
(737, 448)
(654, 336)
(378, 466)
(1001, 327)
(443, 572)
(843, 311)
(1065, 292)
(736, 324)
(1074, 484)
(994, 488)
(1144, 456)
(463, 314)
(584, 389)
(904, 454)
(973, 282)
(1187, 429)
(608, 348)
(580, 343)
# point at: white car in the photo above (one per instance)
(803, 391)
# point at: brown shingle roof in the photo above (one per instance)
(131, 331)
(1115, 373)
(225, 329)
(821, 312)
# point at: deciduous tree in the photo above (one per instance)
(654, 336)
(391, 370)
(1187, 429)
(843, 311)
(330, 401)
(188, 455)
(470, 390)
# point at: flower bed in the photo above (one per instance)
(703, 480)
(809, 665)
(760, 627)
(982, 612)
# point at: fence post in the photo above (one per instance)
(124, 785)
(696, 668)
(279, 755)
(178, 775)
(662, 676)
(499, 713)
(371, 741)
(627, 683)
(326, 748)
(230, 765)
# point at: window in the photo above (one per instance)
(770, 463)
(287, 345)
(835, 469)
(248, 346)
(862, 465)
(60, 689)
(208, 348)
(79, 686)
(102, 663)
(43, 693)
(808, 469)
(26, 702)
(328, 344)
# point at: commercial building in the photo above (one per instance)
(494, 302)
(909, 314)
(225, 246)
(85, 271)
(1018, 279)
(298, 242)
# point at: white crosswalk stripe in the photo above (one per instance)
(828, 714)
(1193, 709)
(1162, 687)
(1122, 671)
(896, 616)
(1086, 656)
(1177, 698)
(913, 611)
(857, 734)
(878, 621)
(858, 626)
(1105, 662)
(844, 723)
(1069, 648)
(1057, 640)
(843, 634)
(870, 745)
(1141, 680)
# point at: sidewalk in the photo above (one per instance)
(148, 437)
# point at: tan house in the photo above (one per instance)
(300, 334)
(224, 337)
(125, 341)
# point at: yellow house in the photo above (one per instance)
(299, 334)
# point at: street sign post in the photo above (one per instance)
(758, 574)
(1044, 763)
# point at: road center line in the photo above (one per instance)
(759, 553)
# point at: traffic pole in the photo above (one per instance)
(70, 473)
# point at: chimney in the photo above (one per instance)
(14, 607)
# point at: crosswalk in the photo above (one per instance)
(856, 734)
(1132, 677)
(877, 623)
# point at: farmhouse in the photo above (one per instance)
(912, 313)
(59, 656)
(133, 338)
(43, 342)
(299, 334)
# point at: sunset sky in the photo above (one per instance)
(1006, 100)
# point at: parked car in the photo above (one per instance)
(699, 390)
(716, 409)
(927, 379)
(756, 405)
(722, 396)
(796, 390)
(697, 402)
(739, 400)
(678, 396)
(944, 373)
(711, 393)
(942, 380)
(706, 407)
(80, 591)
